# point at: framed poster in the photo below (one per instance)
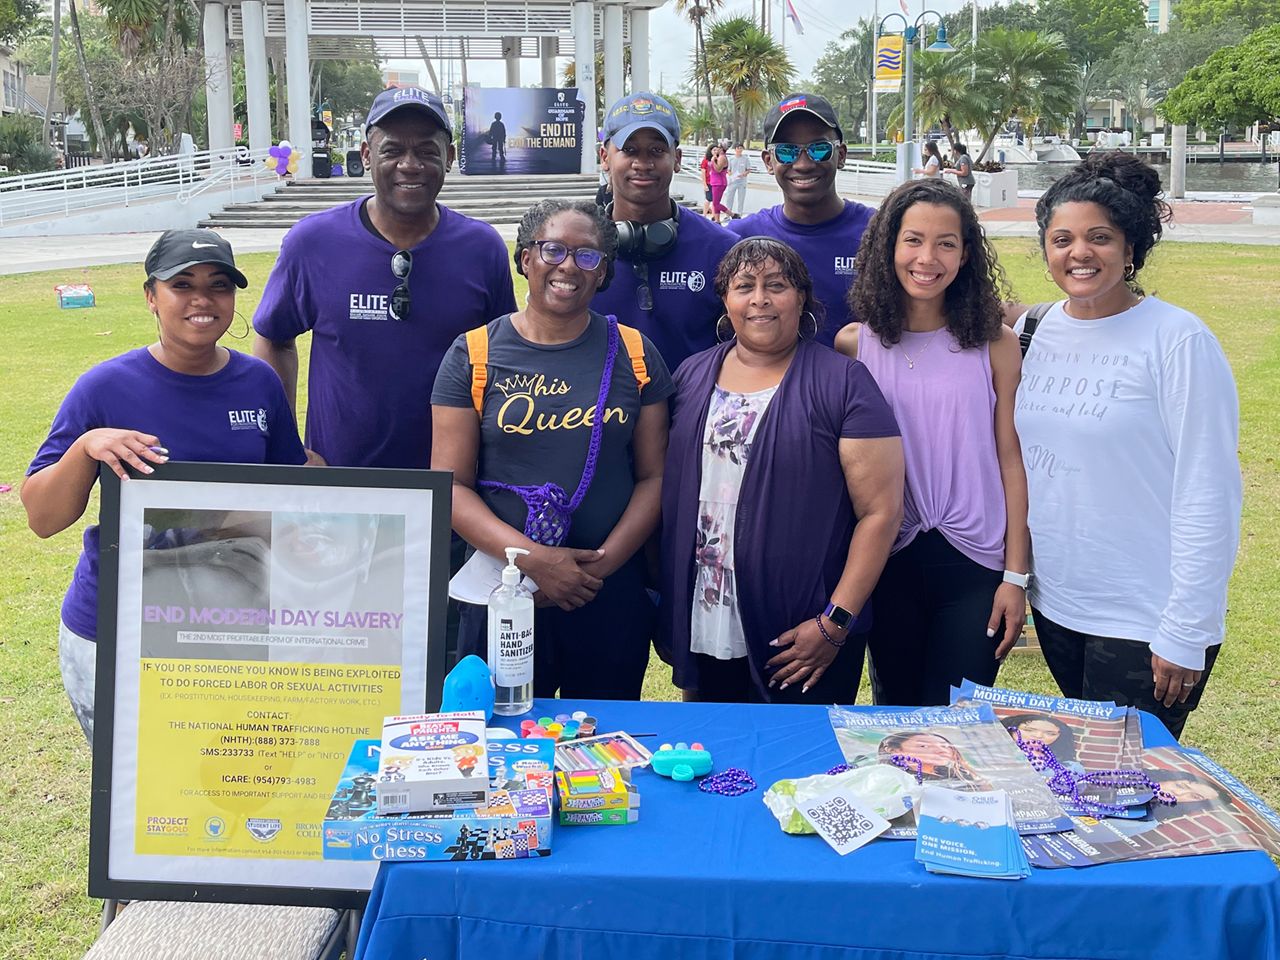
(253, 622)
(520, 130)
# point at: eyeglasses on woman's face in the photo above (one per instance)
(554, 252)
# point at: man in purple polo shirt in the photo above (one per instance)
(384, 284)
(664, 284)
(804, 147)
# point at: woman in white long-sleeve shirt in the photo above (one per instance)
(1128, 418)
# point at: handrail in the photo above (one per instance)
(177, 176)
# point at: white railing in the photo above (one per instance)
(60, 193)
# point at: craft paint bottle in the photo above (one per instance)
(511, 641)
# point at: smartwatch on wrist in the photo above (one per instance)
(838, 615)
(1017, 579)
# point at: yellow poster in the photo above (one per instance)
(889, 64)
(238, 758)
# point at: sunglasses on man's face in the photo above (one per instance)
(400, 302)
(819, 151)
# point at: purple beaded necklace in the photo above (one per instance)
(550, 508)
(1065, 783)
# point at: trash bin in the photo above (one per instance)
(321, 165)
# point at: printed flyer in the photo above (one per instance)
(962, 748)
(253, 645)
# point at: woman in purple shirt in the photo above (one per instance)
(952, 599)
(778, 447)
(182, 398)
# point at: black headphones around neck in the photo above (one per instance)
(644, 242)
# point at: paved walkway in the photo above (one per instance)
(1194, 221)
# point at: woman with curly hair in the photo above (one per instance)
(1129, 423)
(951, 601)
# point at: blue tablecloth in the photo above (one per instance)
(714, 877)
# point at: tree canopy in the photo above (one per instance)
(17, 17)
(749, 65)
(1198, 14)
(1236, 86)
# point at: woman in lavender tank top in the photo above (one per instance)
(952, 599)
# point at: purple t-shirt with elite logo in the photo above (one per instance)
(685, 306)
(369, 388)
(828, 250)
(237, 415)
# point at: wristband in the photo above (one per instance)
(838, 615)
(826, 636)
(1017, 579)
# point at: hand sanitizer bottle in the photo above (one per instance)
(511, 641)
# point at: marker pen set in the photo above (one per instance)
(601, 753)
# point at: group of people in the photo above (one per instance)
(743, 444)
(724, 181)
(961, 165)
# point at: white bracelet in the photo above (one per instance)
(1017, 579)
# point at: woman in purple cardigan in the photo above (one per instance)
(781, 498)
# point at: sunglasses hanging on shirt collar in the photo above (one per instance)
(401, 302)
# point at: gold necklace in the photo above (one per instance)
(911, 364)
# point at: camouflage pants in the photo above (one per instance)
(1106, 668)
(77, 661)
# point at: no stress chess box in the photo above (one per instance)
(522, 764)
(516, 824)
(433, 761)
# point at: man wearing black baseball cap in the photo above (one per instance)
(385, 284)
(804, 147)
(665, 280)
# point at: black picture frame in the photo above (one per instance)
(101, 882)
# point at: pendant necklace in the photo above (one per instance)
(911, 364)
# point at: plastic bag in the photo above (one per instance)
(879, 787)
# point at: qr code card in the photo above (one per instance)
(838, 821)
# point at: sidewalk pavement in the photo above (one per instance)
(1194, 221)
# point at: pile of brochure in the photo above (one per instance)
(969, 834)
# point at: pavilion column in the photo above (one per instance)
(548, 47)
(640, 51)
(217, 83)
(257, 92)
(613, 71)
(584, 65)
(511, 53)
(298, 76)
(1178, 162)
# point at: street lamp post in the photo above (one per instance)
(911, 32)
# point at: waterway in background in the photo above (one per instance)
(1208, 175)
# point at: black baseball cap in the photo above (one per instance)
(178, 250)
(394, 99)
(809, 103)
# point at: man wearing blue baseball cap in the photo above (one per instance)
(384, 284)
(665, 279)
(804, 147)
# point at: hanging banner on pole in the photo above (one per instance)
(520, 131)
(889, 64)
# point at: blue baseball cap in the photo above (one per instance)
(394, 99)
(638, 111)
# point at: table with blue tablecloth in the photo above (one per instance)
(710, 876)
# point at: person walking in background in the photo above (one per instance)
(704, 170)
(167, 401)
(932, 161)
(382, 285)
(781, 498)
(718, 178)
(1129, 423)
(735, 193)
(951, 602)
(804, 149)
(962, 169)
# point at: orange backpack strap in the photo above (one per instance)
(635, 350)
(478, 356)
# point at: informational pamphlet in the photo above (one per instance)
(969, 834)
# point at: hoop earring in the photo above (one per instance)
(1047, 275)
(814, 335)
(1130, 271)
(246, 327)
(721, 336)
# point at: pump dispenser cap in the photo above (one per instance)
(511, 573)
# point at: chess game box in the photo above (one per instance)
(514, 825)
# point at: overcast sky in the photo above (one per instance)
(671, 38)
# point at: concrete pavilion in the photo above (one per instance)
(302, 30)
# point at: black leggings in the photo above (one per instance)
(929, 616)
(1089, 667)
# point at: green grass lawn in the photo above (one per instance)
(44, 787)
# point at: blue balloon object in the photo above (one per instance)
(468, 687)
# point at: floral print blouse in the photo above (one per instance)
(732, 419)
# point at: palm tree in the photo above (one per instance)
(749, 65)
(95, 115)
(54, 43)
(1021, 73)
(945, 95)
(697, 11)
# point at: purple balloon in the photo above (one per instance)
(279, 152)
(283, 166)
